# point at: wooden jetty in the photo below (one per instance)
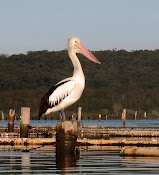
(87, 136)
(120, 132)
(86, 131)
(68, 134)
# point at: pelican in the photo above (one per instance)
(69, 90)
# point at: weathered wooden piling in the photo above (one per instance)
(99, 117)
(145, 114)
(135, 114)
(79, 117)
(25, 119)
(123, 117)
(66, 137)
(2, 116)
(11, 120)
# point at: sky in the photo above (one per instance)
(31, 25)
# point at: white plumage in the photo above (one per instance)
(62, 94)
(69, 90)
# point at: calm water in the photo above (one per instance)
(105, 123)
(42, 160)
(91, 160)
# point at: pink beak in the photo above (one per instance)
(81, 49)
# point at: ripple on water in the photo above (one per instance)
(105, 160)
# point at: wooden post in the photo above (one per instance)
(135, 114)
(25, 119)
(66, 140)
(2, 116)
(79, 117)
(99, 117)
(145, 114)
(66, 136)
(123, 117)
(11, 120)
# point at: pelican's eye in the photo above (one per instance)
(76, 41)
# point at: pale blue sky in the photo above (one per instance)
(27, 25)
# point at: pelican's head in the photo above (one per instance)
(75, 45)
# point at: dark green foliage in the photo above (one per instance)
(124, 80)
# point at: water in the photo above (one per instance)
(105, 123)
(104, 160)
(91, 160)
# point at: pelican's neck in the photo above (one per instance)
(78, 72)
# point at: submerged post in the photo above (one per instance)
(25, 119)
(11, 120)
(123, 117)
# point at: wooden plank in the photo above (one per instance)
(115, 142)
(80, 142)
(26, 141)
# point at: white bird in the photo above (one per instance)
(69, 90)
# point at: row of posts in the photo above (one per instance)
(25, 119)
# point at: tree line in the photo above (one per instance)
(125, 79)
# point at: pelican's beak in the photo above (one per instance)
(81, 49)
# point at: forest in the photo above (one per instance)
(125, 79)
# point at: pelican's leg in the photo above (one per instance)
(62, 114)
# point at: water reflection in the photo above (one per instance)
(145, 160)
(25, 161)
(93, 160)
(66, 160)
(144, 165)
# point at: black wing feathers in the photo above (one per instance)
(44, 105)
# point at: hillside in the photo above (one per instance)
(124, 80)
